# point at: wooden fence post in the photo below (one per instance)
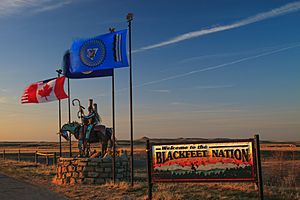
(54, 158)
(47, 161)
(35, 157)
(19, 155)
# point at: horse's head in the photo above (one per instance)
(72, 127)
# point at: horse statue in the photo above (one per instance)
(99, 134)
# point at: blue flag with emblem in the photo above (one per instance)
(106, 51)
(79, 75)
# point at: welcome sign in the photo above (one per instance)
(205, 161)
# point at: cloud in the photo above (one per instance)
(206, 87)
(197, 58)
(53, 6)
(3, 100)
(231, 54)
(236, 110)
(4, 90)
(199, 107)
(9, 7)
(215, 67)
(286, 9)
(161, 91)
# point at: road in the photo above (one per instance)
(12, 189)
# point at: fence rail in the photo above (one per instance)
(46, 155)
(37, 157)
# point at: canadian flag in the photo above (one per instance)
(45, 91)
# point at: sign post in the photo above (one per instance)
(258, 167)
(205, 161)
(150, 184)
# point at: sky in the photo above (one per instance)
(207, 69)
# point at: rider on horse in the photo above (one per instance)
(89, 131)
(88, 123)
(92, 119)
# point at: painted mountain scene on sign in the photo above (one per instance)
(204, 170)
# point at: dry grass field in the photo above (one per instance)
(281, 174)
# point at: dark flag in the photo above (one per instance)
(106, 51)
(78, 75)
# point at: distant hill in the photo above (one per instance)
(169, 140)
(141, 141)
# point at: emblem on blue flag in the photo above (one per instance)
(92, 53)
(106, 51)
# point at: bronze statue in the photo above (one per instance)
(90, 130)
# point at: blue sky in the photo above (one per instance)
(201, 68)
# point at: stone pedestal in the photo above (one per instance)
(90, 170)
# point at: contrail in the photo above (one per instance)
(9, 7)
(286, 9)
(214, 67)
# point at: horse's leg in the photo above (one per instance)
(81, 137)
(104, 148)
(87, 150)
(109, 140)
(111, 145)
(101, 140)
(80, 143)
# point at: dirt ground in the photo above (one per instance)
(11, 188)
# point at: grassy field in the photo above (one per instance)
(281, 174)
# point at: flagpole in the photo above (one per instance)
(129, 19)
(69, 109)
(113, 119)
(59, 117)
(114, 127)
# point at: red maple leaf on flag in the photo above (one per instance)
(45, 92)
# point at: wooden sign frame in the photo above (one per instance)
(256, 172)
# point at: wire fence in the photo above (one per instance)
(38, 157)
